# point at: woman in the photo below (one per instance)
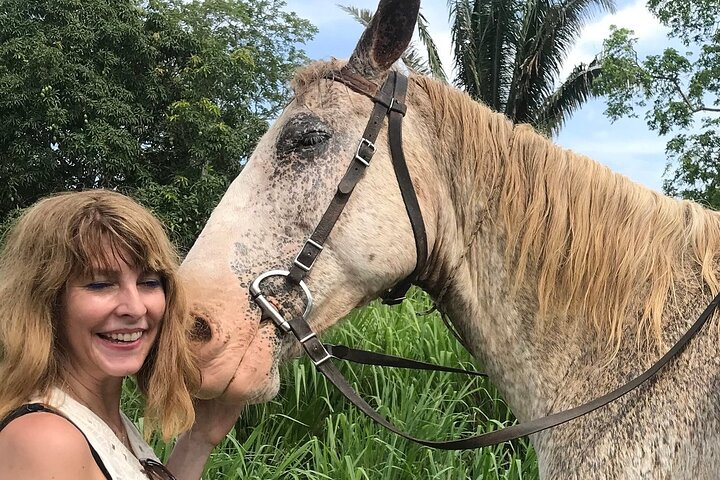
(90, 295)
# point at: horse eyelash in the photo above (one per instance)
(312, 139)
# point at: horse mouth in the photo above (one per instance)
(242, 372)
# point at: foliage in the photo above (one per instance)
(509, 53)
(161, 99)
(679, 89)
(311, 432)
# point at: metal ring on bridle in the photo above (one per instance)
(269, 310)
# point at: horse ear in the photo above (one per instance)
(386, 38)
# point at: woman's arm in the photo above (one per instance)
(213, 420)
(188, 458)
(45, 445)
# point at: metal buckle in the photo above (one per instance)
(392, 301)
(370, 145)
(307, 337)
(297, 260)
(327, 355)
(268, 309)
(322, 360)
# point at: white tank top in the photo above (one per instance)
(121, 463)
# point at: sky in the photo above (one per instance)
(626, 146)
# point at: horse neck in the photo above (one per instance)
(469, 272)
(537, 233)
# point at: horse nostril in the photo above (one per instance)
(201, 331)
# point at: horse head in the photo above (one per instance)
(274, 204)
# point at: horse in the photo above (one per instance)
(563, 278)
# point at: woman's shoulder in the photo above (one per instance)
(44, 445)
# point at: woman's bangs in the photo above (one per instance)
(102, 250)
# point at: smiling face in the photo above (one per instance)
(109, 320)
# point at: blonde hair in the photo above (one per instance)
(65, 235)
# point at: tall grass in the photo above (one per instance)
(311, 432)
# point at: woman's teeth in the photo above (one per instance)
(123, 337)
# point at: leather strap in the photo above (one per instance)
(355, 82)
(390, 102)
(397, 294)
(365, 357)
(305, 259)
(322, 360)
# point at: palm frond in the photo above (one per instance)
(484, 47)
(551, 30)
(433, 58)
(465, 48)
(362, 15)
(415, 62)
(571, 95)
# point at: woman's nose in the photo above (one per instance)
(130, 302)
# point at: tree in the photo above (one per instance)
(509, 53)
(161, 99)
(679, 91)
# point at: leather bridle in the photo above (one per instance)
(390, 102)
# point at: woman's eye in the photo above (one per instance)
(98, 285)
(151, 283)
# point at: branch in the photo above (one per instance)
(686, 100)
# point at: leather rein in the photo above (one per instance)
(390, 102)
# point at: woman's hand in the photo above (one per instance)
(214, 419)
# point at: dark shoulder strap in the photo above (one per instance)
(20, 411)
(39, 407)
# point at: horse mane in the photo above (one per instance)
(602, 247)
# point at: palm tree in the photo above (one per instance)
(509, 53)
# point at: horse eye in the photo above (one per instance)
(312, 139)
(304, 136)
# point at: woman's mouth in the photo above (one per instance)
(121, 337)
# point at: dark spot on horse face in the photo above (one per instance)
(304, 136)
(252, 258)
(201, 331)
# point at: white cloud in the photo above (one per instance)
(635, 17)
